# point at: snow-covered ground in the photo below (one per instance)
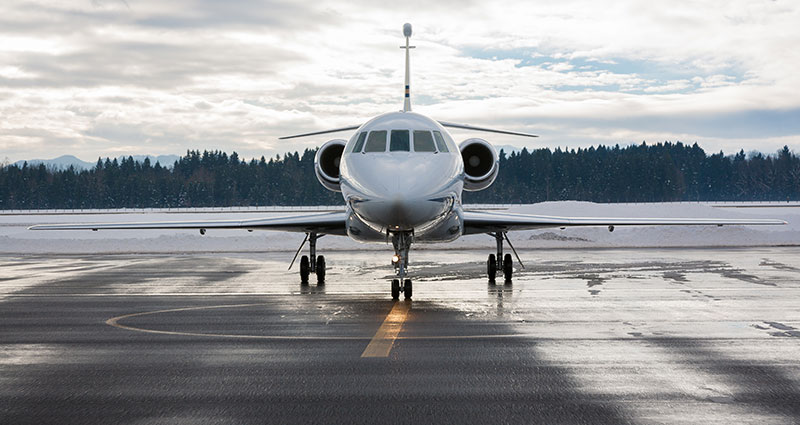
(16, 239)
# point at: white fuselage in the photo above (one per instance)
(405, 175)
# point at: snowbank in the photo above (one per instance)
(16, 239)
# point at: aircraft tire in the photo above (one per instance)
(395, 289)
(304, 269)
(508, 267)
(407, 289)
(320, 270)
(491, 268)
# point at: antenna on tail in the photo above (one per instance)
(407, 101)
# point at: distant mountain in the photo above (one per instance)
(63, 162)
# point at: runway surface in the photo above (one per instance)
(581, 336)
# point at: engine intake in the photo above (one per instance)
(481, 164)
(326, 163)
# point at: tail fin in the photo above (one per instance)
(407, 101)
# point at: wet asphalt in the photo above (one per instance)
(579, 336)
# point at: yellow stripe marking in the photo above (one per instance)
(381, 344)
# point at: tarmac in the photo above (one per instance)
(579, 336)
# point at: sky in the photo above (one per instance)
(96, 78)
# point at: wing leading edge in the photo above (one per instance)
(474, 222)
(332, 223)
(482, 222)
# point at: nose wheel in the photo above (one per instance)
(405, 288)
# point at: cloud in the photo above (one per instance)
(146, 76)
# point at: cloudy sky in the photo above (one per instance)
(109, 77)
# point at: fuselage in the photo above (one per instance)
(402, 172)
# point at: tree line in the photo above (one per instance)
(636, 173)
(643, 173)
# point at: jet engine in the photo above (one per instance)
(481, 164)
(326, 163)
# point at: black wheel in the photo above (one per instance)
(508, 267)
(320, 270)
(395, 289)
(304, 269)
(407, 289)
(491, 268)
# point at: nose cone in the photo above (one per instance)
(402, 213)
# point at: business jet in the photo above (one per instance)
(402, 176)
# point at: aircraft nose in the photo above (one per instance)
(402, 194)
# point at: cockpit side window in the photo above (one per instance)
(440, 142)
(400, 141)
(451, 144)
(359, 144)
(376, 142)
(423, 142)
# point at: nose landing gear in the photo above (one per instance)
(402, 245)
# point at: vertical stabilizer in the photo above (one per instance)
(407, 101)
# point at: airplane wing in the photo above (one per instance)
(331, 223)
(335, 130)
(443, 123)
(483, 222)
(490, 130)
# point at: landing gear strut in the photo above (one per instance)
(311, 263)
(402, 245)
(501, 263)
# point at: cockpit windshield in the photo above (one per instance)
(423, 142)
(376, 142)
(400, 141)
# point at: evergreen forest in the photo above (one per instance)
(637, 173)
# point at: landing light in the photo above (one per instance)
(395, 259)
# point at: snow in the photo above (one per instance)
(16, 239)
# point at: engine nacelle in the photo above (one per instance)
(326, 163)
(481, 164)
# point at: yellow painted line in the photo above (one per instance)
(381, 344)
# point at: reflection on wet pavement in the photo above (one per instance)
(579, 336)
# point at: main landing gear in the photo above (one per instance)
(402, 245)
(501, 263)
(311, 263)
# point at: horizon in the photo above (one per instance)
(105, 78)
(139, 157)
